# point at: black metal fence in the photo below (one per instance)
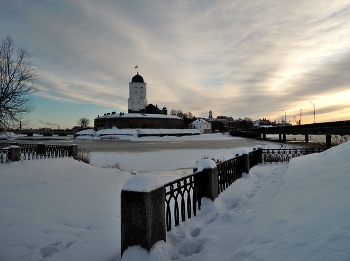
(37, 151)
(182, 197)
(228, 172)
(43, 151)
(285, 155)
(4, 155)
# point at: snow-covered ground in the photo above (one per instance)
(61, 209)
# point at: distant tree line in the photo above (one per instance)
(188, 117)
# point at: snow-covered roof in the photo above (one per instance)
(199, 121)
(140, 115)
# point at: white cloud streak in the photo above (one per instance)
(236, 58)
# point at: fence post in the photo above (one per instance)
(40, 149)
(73, 151)
(142, 212)
(208, 180)
(14, 153)
(245, 160)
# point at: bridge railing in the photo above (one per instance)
(320, 125)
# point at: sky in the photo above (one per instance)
(288, 211)
(257, 59)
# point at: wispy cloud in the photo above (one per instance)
(238, 58)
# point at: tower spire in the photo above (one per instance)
(137, 69)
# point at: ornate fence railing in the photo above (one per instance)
(6, 144)
(228, 172)
(43, 151)
(36, 151)
(149, 214)
(4, 155)
(285, 155)
(181, 195)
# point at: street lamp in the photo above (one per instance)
(314, 110)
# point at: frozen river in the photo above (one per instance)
(164, 155)
(160, 155)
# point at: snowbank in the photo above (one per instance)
(61, 209)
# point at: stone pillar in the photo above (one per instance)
(73, 151)
(14, 153)
(40, 149)
(245, 160)
(328, 141)
(208, 179)
(264, 136)
(142, 212)
(259, 149)
(306, 138)
(280, 137)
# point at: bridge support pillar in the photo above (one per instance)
(264, 136)
(329, 141)
(284, 137)
(306, 138)
(280, 137)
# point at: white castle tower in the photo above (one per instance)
(137, 100)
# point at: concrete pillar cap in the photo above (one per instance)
(204, 164)
(143, 183)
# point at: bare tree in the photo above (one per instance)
(17, 77)
(173, 112)
(83, 122)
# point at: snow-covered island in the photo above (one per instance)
(62, 209)
(127, 134)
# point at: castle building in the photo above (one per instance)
(140, 114)
(137, 101)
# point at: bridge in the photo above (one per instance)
(324, 128)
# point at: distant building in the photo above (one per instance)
(201, 124)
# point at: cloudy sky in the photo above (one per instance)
(239, 58)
